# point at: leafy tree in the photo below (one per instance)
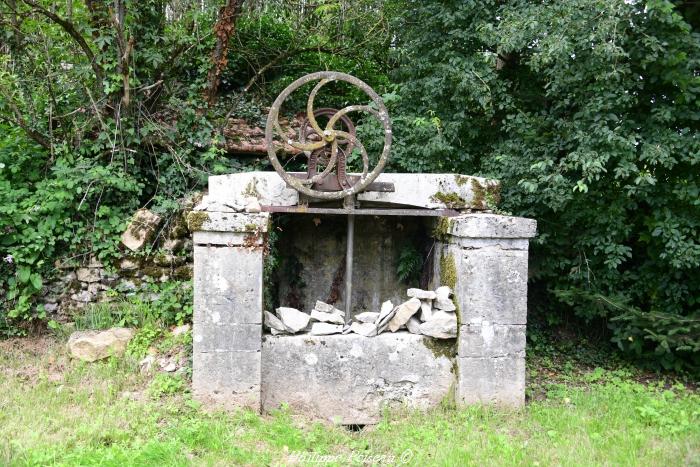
(588, 112)
(108, 106)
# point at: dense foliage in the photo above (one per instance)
(587, 110)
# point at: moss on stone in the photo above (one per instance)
(479, 201)
(441, 347)
(183, 273)
(486, 197)
(196, 219)
(448, 270)
(461, 180)
(493, 194)
(442, 229)
(450, 200)
(153, 271)
(448, 277)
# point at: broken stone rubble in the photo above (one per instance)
(421, 294)
(403, 314)
(293, 319)
(335, 318)
(325, 319)
(323, 329)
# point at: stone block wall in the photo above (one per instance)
(484, 258)
(228, 301)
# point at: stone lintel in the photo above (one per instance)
(491, 226)
(431, 191)
(486, 339)
(487, 380)
(215, 221)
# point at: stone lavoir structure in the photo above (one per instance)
(348, 378)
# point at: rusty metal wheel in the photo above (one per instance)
(316, 140)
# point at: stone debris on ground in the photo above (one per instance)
(180, 330)
(442, 300)
(324, 307)
(146, 364)
(275, 325)
(442, 325)
(90, 346)
(427, 312)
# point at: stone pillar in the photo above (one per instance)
(228, 301)
(484, 259)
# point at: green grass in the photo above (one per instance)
(59, 412)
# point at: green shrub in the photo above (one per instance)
(165, 384)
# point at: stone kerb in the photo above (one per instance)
(487, 255)
(227, 325)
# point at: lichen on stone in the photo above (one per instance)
(196, 219)
(251, 190)
(461, 180)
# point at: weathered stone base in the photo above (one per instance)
(491, 380)
(348, 379)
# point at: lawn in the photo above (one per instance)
(60, 412)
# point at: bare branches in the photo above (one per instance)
(224, 29)
(125, 47)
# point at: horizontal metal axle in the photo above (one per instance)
(363, 211)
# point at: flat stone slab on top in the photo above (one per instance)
(348, 379)
(430, 191)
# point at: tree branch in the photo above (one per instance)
(38, 137)
(73, 32)
(283, 56)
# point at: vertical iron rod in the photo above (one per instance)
(348, 262)
(348, 268)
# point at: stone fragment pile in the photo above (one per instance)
(427, 312)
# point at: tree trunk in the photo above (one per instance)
(223, 29)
